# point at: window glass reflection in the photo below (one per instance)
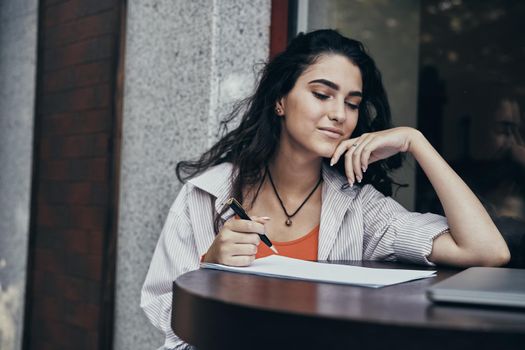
(454, 69)
(472, 88)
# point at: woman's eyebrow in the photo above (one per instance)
(334, 86)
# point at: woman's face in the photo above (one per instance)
(505, 125)
(322, 108)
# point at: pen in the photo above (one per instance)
(238, 209)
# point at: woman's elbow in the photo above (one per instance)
(494, 252)
(501, 257)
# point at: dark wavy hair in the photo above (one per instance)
(252, 144)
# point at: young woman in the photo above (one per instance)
(310, 162)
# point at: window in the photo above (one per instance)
(453, 69)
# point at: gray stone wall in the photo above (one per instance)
(185, 64)
(18, 42)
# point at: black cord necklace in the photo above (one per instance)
(288, 221)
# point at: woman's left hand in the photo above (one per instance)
(361, 151)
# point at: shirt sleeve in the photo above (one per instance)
(175, 254)
(393, 233)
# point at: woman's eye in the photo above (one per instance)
(352, 106)
(320, 96)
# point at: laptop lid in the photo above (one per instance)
(482, 285)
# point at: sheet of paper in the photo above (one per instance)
(283, 267)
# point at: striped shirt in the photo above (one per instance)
(357, 223)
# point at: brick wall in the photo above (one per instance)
(69, 299)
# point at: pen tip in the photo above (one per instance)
(274, 250)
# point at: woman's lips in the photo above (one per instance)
(332, 133)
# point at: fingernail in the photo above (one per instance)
(350, 182)
(266, 218)
(331, 163)
(358, 179)
(364, 169)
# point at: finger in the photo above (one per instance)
(352, 145)
(356, 157)
(247, 226)
(239, 260)
(261, 219)
(349, 170)
(245, 238)
(356, 164)
(238, 245)
(244, 249)
(365, 154)
(232, 222)
(343, 147)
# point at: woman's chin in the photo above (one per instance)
(326, 151)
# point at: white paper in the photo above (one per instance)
(284, 267)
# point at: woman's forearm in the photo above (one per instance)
(474, 239)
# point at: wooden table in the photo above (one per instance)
(225, 310)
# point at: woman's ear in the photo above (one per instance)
(279, 108)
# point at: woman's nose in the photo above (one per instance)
(338, 112)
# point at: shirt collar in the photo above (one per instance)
(336, 182)
(217, 181)
(337, 196)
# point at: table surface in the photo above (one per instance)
(230, 297)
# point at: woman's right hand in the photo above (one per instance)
(236, 243)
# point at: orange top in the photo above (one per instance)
(304, 247)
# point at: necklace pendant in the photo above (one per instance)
(288, 222)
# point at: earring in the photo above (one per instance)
(278, 110)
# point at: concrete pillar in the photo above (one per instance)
(185, 63)
(18, 44)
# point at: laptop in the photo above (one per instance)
(495, 286)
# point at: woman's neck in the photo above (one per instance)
(295, 175)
